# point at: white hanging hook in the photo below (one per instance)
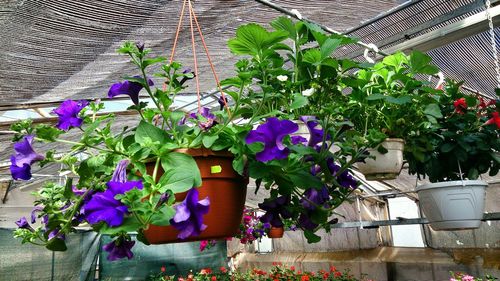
(440, 83)
(370, 47)
(296, 13)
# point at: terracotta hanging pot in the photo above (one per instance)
(226, 190)
(276, 232)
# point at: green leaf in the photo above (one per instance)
(312, 56)
(328, 47)
(433, 110)
(473, 174)
(495, 156)
(162, 217)
(304, 179)
(253, 39)
(311, 237)
(396, 60)
(47, 132)
(68, 188)
(130, 224)
(148, 62)
(56, 244)
(400, 100)
(208, 140)
(146, 130)
(181, 173)
(285, 24)
(420, 63)
(447, 147)
(376, 97)
(298, 101)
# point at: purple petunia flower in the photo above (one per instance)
(344, 179)
(24, 157)
(299, 140)
(139, 45)
(119, 248)
(128, 88)
(315, 197)
(103, 206)
(275, 210)
(205, 118)
(188, 219)
(56, 233)
(306, 222)
(315, 131)
(271, 134)
(23, 223)
(34, 211)
(68, 113)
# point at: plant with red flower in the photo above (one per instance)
(460, 105)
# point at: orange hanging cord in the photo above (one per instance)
(192, 16)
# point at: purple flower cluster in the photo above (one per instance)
(205, 119)
(103, 207)
(276, 209)
(24, 157)
(271, 134)
(315, 131)
(128, 88)
(188, 218)
(345, 179)
(119, 248)
(68, 113)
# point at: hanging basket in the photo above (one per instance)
(226, 190)
(276, 232)
(385, 166)
(453, 205)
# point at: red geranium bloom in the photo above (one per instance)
(337, 274)
(495, 119)
(483, 104)
(304, 278)
(460, 105)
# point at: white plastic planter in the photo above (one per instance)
(385, 166)
(453, 205)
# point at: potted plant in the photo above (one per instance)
(151, 178)
(383, 98)
(453, 153)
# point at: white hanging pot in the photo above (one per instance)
(453, 205)
(385, 166)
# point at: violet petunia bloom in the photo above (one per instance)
(103, 206)
(315, 131)
(275, 210)
(68, 113)
(298, 140)
(23, 158)
(23, 223)
(56, 234)
(205, 118)
(35, 210)
(139, 45)
(314, 198)
(344, 179)
(188, 218)
(305, 221)
(272, 134)
(119, 248)
(128, 88)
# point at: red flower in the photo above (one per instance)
(163, 269)
(206, 271)
(223, 269)
(292, 268)
(337, 274)
(483, 104)
(460, 105)
(495, 119)
(304, 278)
(332, 268)
(326, 275)
(213, 278)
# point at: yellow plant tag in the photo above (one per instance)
(216, 169)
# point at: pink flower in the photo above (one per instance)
(203, 245)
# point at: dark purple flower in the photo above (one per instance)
(314, 197)
(299, 140)
(275, 210)
(56, 233)
(34, 211)
(315, 131)
(23, 158)
(128, 88)
(306, 222)
(140, 45)
(186, 77)
(163, 198)
(221, 102)
(266, 225)
(103, 206)
(68, 113)
(188, 219)
(119, 248)
(205, 119)
(271, 134)
(344, 179)
(23, 223)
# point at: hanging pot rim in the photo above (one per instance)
(445, 184)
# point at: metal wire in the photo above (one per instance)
(493, 41)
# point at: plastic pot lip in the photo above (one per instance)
(445, 184)
(394, 140)
(204, 152)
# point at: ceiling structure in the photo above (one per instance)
(52, 50)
